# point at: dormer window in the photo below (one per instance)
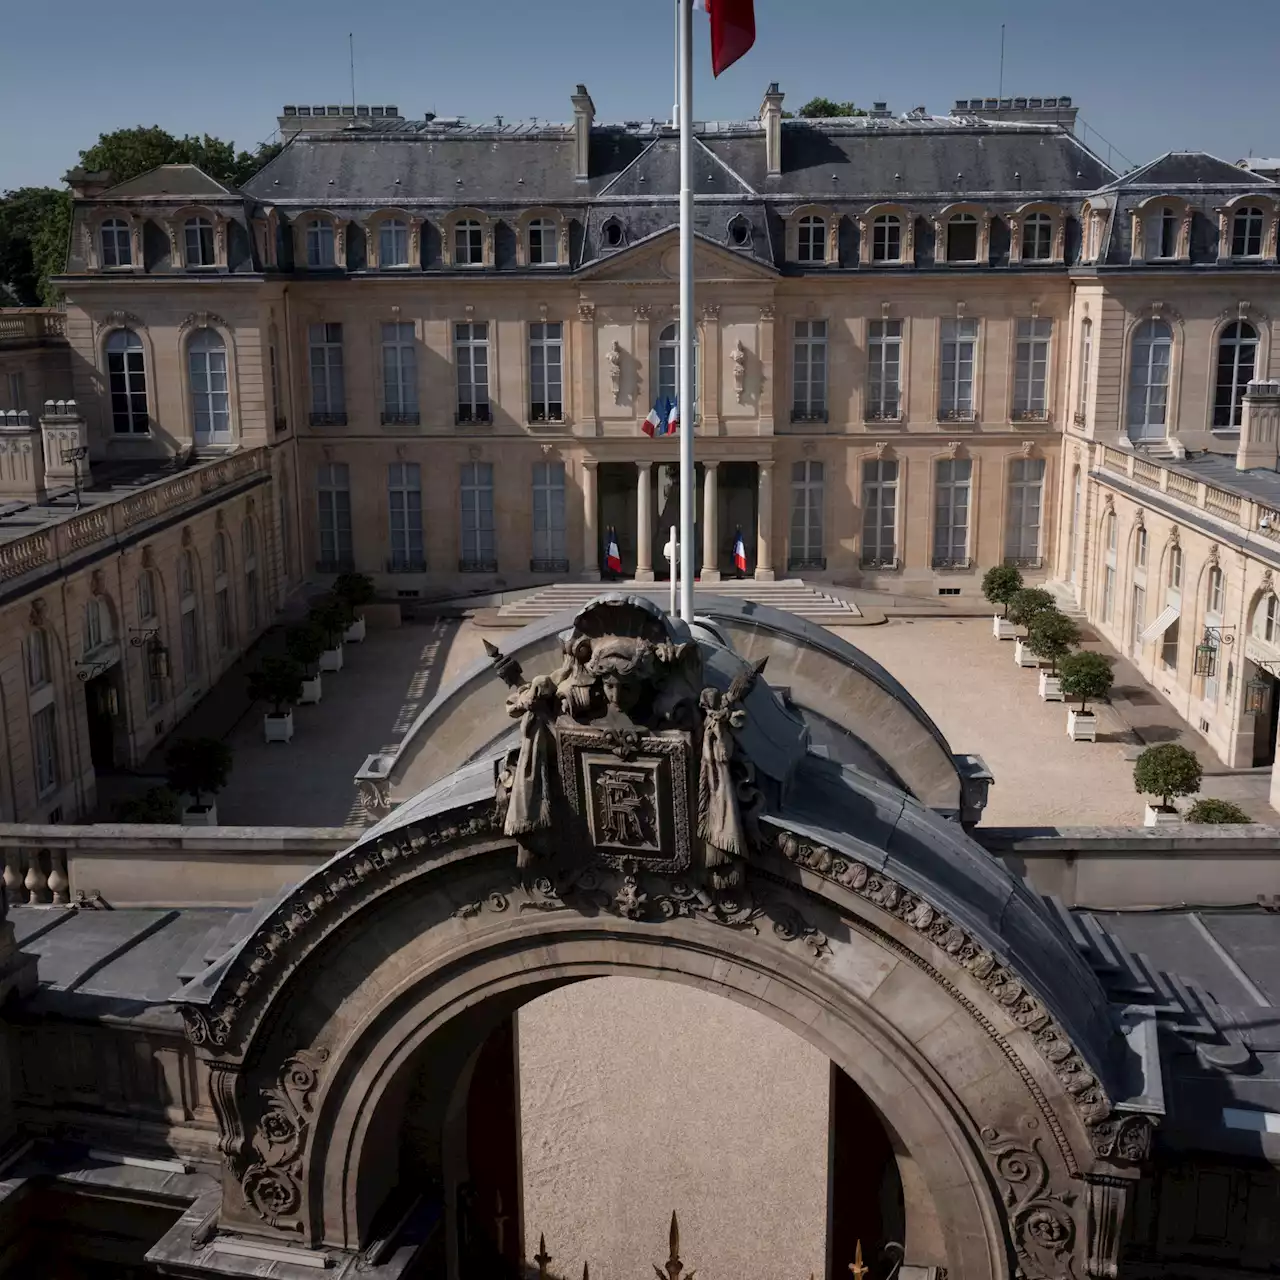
(468, 243)
(962, 238)
(739, 232)
(393, 243)
(320, 243)
(613, 235)
(1037, 238)
(198, 236)
(812, 239)
(542, 243)
(116, 247)
(1246, 233)
(1165, 237)
(886, 239)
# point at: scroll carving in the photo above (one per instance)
(1041, 1223)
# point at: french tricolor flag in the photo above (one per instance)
(673, 419)
(612, 562)
(739, 553)
(733, 30)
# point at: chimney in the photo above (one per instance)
(1259, 427)
(584, 115)
(86, 184)
(1057, 111)
(771, 118)
(21, 457)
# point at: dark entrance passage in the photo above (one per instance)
(102, 703)
(739, 484)
(616, 506)
(1266, 722)
(666, 514)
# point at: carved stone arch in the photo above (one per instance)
(962, 207)
(448, 228)
(907, 231)
(1058, 223)
(372, 226)
(191, 325)
(298, 225)
(832, 228)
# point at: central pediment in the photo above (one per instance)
(656, 260)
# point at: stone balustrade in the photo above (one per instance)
(34, 324)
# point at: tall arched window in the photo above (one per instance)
(962, 238)
(117, 248)
(199, 242)
(127, 383)
(1266, 619)
(1237, 359)
(1110, 540)
(811, 245)
(1086, 367)
(1037, 237)
(542, 243)
(1172, 603)
(1073, 541)
(249, 549)
(1215, 600)
(886, 238)
(190, 620)
(668, 367)
(39, 667)
(224, 629)
(468, 244)
(97, 624)
(1151, 353)
(320, 243)
(146, 596)
(1246, 233)
(210, 397)
(393, 243)
(1138, 604)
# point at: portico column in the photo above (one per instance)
(710, 523)
(764, 524)
(590, 534)
(644, 537)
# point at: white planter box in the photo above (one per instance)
(354, 634)
(331, 659)
(311, 690)
(205, 816)
(1003, 629)
(1082, 726)
(278, 728)
(1050, 687)
(1157, 816)
(1023, 656)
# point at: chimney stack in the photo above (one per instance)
(86, 184)
(584, 115)
(771, 118)
(1259, 427)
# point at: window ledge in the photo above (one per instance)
(797, 416)
(477, 566)
(942, 564)
(882, 417)
(407, 566)
(328, 419)
(401, 419)
(1030, 415)
(1025, 562)
(883, 566)
(335, 566)
(468, 420)
(957, 415)
(819, 564)
(548, 566)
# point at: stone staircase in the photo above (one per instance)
(790, 595)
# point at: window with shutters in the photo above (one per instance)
(879, 513)
(333, 497)
(550, 533)
(807, 491)
(809, 372)
(951, 490)
(404, 510)
(1025, 507)
(478, 541)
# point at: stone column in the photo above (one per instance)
(710, 523)
(764, 524)
(22, 469)
(590, 534)
(66, 435)
(1259, 427)
(644, 535)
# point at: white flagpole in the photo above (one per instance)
(687, 475)
(675, 101)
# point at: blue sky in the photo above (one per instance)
(1147, 79)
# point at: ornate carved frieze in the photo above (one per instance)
(202, 320)
(1042, 1224)
(121, 320)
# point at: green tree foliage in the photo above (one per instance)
(35, 223)
(158, 804)
(1052, 635)
(356, 589)
(1000, 582)
(279, 683)
(1026, 603)
(1212, 810)
(1167, 771)
(827, 109)
(198, 766)
(129, 152)
(304, 644)
(332, 616)
(1085, 676)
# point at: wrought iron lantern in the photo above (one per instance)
(109, 702)
(1257, 696)
(157, 659)
(1206, 662)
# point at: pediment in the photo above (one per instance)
(656, 260)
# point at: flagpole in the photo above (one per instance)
(675, 102)
(687, 479)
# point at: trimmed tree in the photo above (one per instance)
(198, 767)
(1052, 635)
(332, 617)
(1213, 810)
(1167, 771)
(356, 589)
(999, 584)
(157, 804)
(1025, 603)
(278, 682)
(304, 644)
(1085, 676)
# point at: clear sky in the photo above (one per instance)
(1176, 75)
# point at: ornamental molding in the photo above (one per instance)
(1042, 1223)
(202, 320)
(39, 612)
(121, 320)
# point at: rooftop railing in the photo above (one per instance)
(31, 324)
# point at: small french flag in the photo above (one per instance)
(612, 556)
(673, 419)
(656, 422)
(739, 553)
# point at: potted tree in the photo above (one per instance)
(1084, 676)
(331, 618)
(156, 804)
(356, 590)
(1167, 771)
(1213, 810)
(279, 683)
(304, 644)
(1024, 604)
(998, 585)
(199, 767)
(1051, 636)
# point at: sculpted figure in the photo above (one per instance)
(529, 805)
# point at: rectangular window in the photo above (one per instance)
(471, 357)
(399, 374)
(328, 387)
(1139, 619)
(17, 391)
(44, 738)
(199, 242)
(1086, 368)
(1022, 524)
(810, 372)
(959, 355)
(479, 545)
(277, 419)
(886, 239)
(190, 635)
(404, 506)
(952, 480)
(879, 513)
(222, 619)
(37, 659)
(393, 244)
(333, 494)
(550, 534)
(320, 244)
(251, 599)
(806, 516)
(127, 383)
(1031, 370)
(546, 402)
(1168, 233)
(1108, 592)
(884, 371)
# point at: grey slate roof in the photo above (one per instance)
(170, 180)
(1260, 483)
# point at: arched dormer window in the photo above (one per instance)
(198, 245)
(127, 383)
(811, 239)
(1237, 360)
(1248, 224)
(393, 243)
(542, 243)
(1037, 237)
(468, 243)
(115, 243)
(962, 238)
(886, 238)
(320, 246)
(1161, 230)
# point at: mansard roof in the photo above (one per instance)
(1176, 169)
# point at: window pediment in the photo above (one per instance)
(468, 239)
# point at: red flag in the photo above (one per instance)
(733, 30)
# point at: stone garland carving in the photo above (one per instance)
(1041, 1222)
(272, 1184)
(202, 320)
